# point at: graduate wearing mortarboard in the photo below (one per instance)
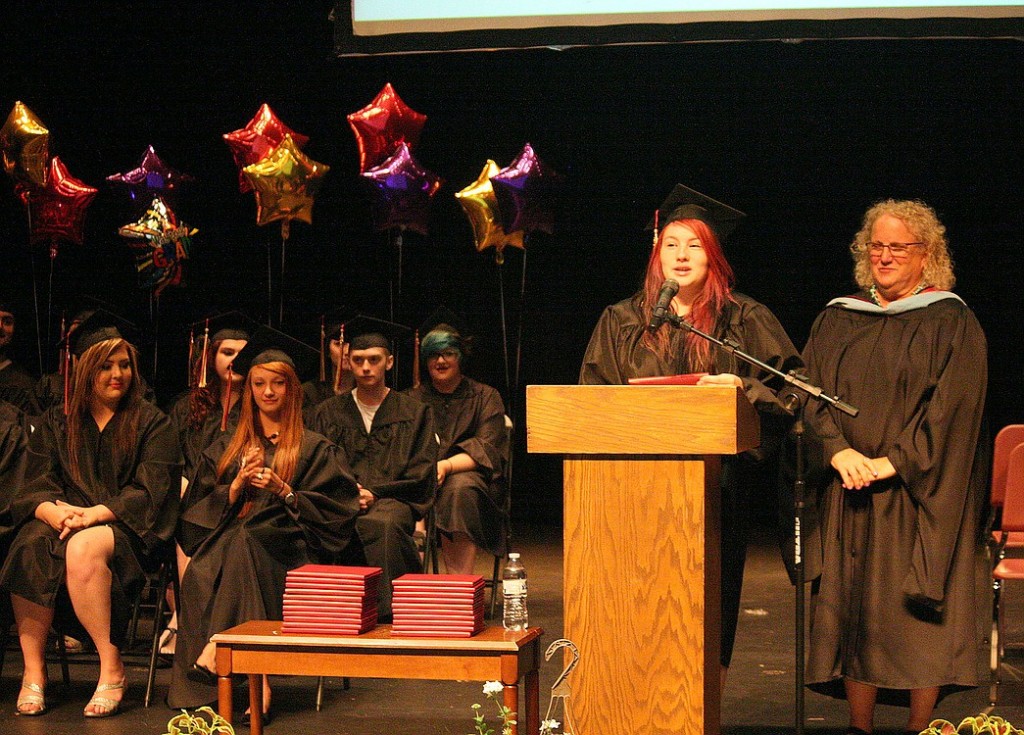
(275, 495)
(689, 228)
(388, 440)
(100, 504)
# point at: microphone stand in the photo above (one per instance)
(793, 401)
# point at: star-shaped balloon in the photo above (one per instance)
(481, 207)
(286, 182)
(164, 243)
(402, 190)
(152, 176)
(526, 192)
(25, 145)
(257, 139)
(58, 207)
(382, 125)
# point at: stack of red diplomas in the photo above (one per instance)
(438, 605)
(330, 600)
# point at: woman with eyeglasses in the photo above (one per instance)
(895, 610)
(687, 250)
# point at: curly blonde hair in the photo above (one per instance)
(924, 223)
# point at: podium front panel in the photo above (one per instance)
(642, 599)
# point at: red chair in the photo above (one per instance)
(1008, 438)
(1006, 569)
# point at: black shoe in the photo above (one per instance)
(201, 675)
(246, 719)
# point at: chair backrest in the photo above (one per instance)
(1006, 440)
(1013, 505)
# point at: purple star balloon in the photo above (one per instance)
(152, 176)
(402, 190)
(526, 191)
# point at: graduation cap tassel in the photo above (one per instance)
(67, 378)
(416, 360)
(205, 347)
(323, 349)
(63, 337)
(226, 401)
(191, 355)
(337, 368)
(654, 244)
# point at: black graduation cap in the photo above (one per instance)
(271, 345)
(97, 327)
(363, 332)
(685, 203)
(226, 325)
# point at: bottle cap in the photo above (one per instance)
(513, 555)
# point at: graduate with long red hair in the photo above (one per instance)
(281, 497)
(687, 249)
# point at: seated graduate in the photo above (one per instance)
(469, 506)
(688, 250)
(388, 440)
(16, 383)
(209, 408)
(98, 507)
(13, 457)
(335, 376)
(281, 497)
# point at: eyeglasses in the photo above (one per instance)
(898, 250)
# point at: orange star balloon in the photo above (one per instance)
(58, 207)
(285, 182)
(25, 145)
(481, 207)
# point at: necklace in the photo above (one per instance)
(273, 437)
(873, 292)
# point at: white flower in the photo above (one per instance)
(493, 687)
(548, 726)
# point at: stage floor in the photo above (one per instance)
(759, 697)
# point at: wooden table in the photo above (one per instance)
(258, 647)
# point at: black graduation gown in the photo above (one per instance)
(13, 459)
(471, 420)
(141, 489)
(396, 461)
(16, 387)
(616, 353)
(237, 574)
(896, 603)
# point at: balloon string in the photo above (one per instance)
(280, 285)
(522, 307)
(270, 296)
(154, 316)
(504, 330)
(35, 301)
(398, 242)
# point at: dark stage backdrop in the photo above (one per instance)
(801, 136)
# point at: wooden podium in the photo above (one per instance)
(641, 585)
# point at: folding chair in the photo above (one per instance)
(1008, 438)
(1006, 569)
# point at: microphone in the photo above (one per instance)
(668, 290)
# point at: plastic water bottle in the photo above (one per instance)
(513, 586)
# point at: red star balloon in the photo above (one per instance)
(58, 207)
(152, 176)
(382, 125)
(257, 139)
(481, 207)
(526, 192)
(403, 190)
(164, 243)
(24, 144)
(286, 181)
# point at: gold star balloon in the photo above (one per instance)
(25, 145)
(481, 207)
(285, 183)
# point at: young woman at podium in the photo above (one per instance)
(632, 339)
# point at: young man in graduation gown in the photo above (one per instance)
(16, 385)
(12, 469)
(389, 441)
(895, 615)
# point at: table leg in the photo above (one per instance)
(532, 704)
(255, 704)
(224, 697)
(511, 700)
